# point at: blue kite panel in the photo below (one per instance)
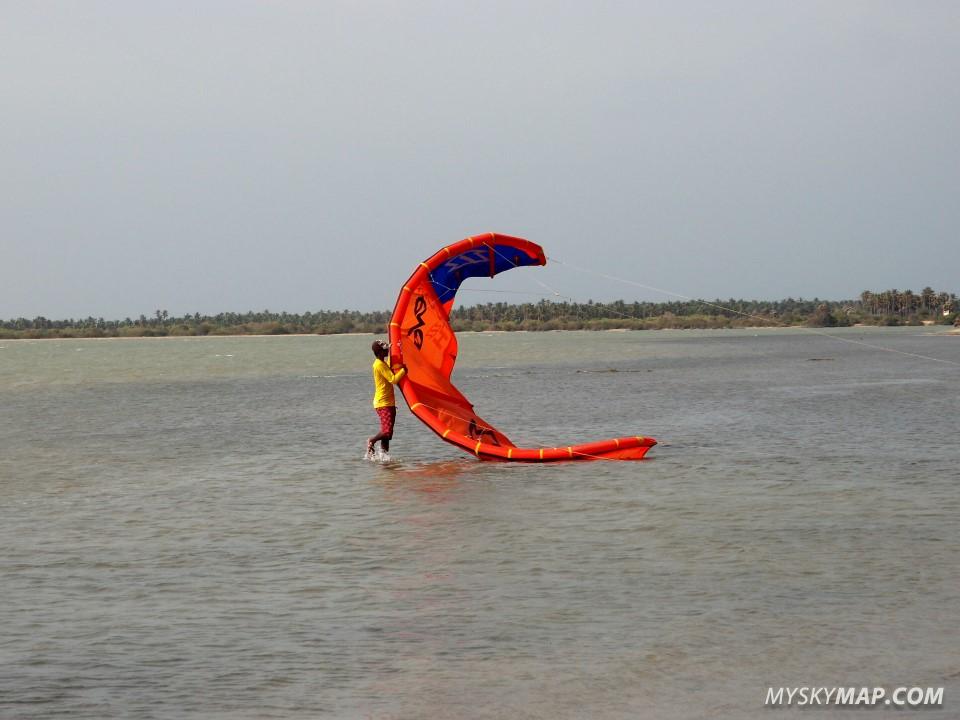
(475, 262)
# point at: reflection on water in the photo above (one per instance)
(192, 535)
(440, 477)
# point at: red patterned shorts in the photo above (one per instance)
(388, 416)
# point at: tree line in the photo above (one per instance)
(887, 307)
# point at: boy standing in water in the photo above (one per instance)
(383, 402)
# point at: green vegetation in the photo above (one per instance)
(890, 307)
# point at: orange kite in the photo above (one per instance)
(422, 339)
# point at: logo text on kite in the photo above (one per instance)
(419, 308)
(472, 257)
(478, 432)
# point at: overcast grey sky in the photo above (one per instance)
(227, 156)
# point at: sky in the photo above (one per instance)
(293, 156)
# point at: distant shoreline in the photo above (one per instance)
(953, 332)
(887, 309)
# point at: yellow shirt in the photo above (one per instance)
(383, 381)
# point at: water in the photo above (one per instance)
(189, 529)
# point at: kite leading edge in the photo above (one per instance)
(422, 339)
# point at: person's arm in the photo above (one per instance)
(389, 375)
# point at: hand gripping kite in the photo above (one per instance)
(422, 339)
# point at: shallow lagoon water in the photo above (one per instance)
(189, 530)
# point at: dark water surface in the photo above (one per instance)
(189, 531)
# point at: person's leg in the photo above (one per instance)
(373, 441)
(379, 436)
(387, 416)
(387, 427)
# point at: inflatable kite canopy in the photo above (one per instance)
(422, 339)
